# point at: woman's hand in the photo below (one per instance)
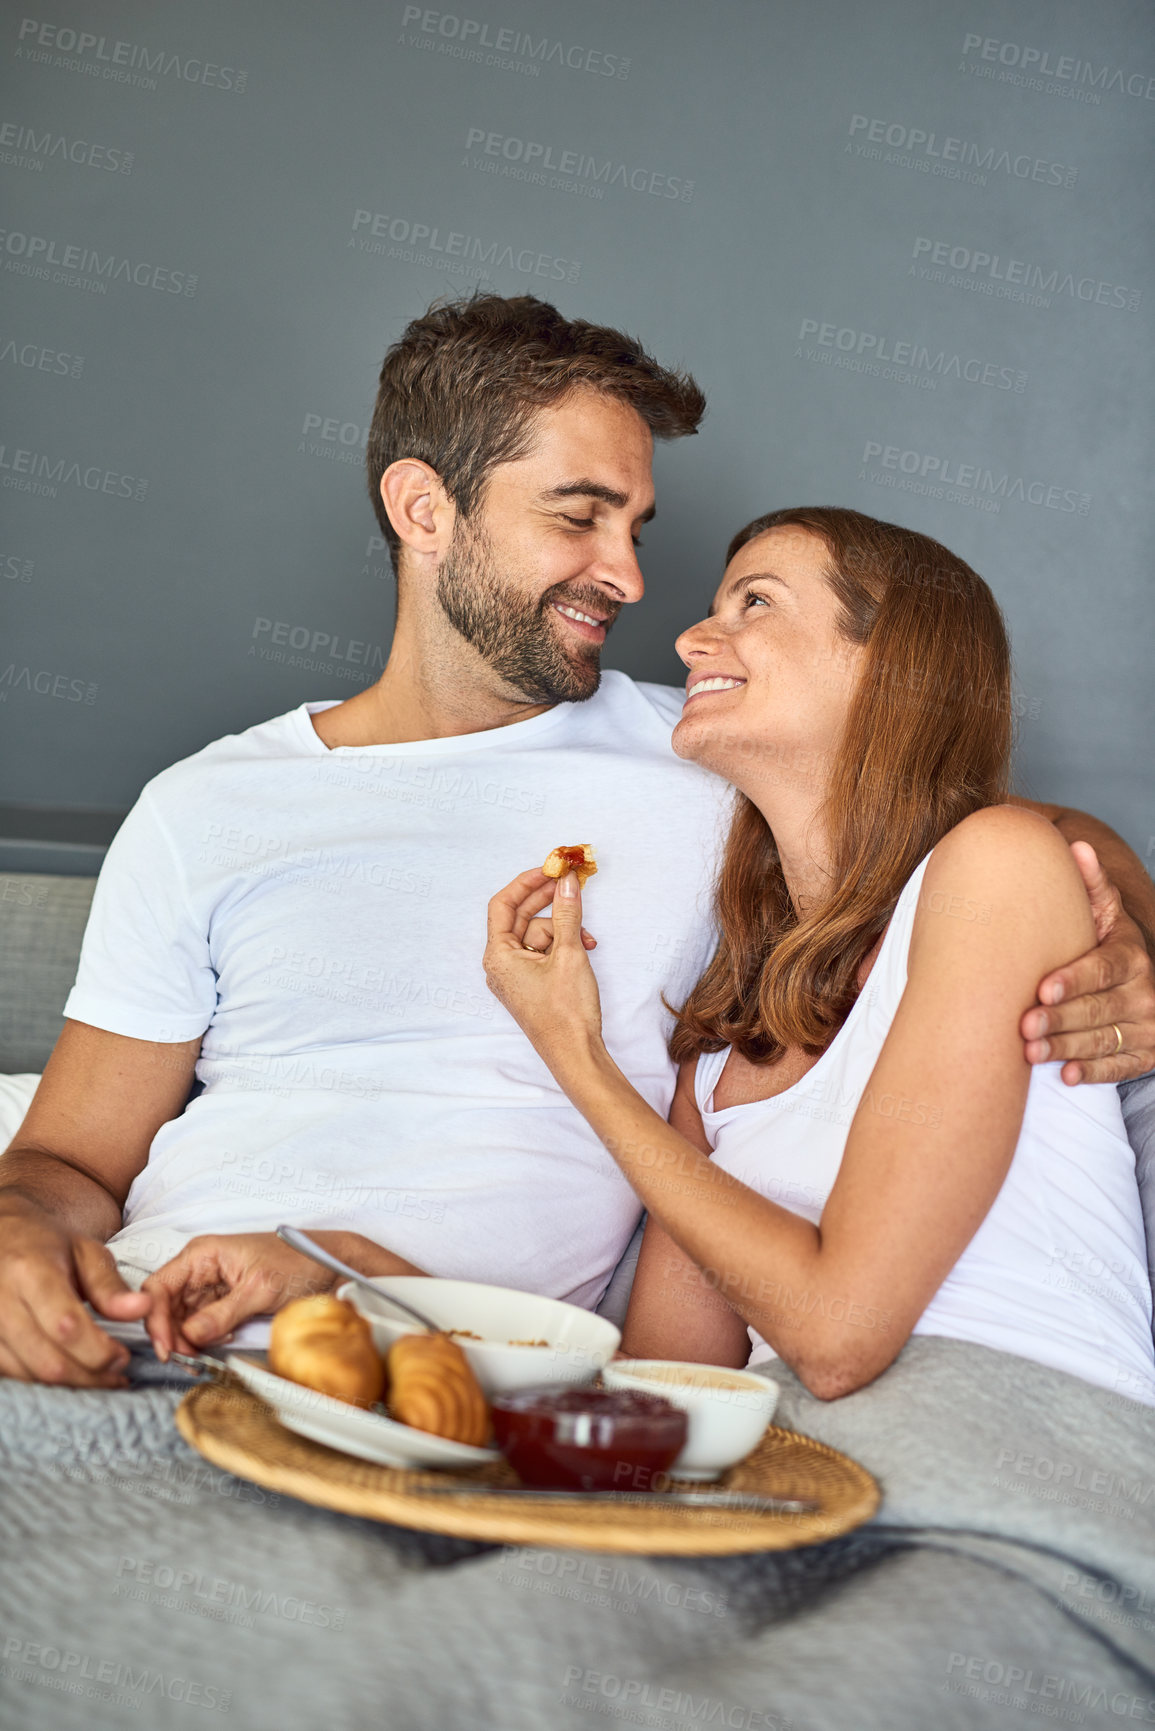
(539, 968)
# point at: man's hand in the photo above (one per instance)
(63, 1182)
(219, 1281)
(223, 1279)
(46, 1275)
(1110, 988)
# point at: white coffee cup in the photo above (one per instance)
(728, 1409)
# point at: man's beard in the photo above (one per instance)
(514, 632)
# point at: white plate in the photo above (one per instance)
(351, 1429)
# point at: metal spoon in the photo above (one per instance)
(308, 1247)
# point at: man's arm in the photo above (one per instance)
(1120, 862)
(63, 1183)
(1084, 1007)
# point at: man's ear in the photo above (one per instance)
(419, 508)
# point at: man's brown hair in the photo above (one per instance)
(927, 741)
(460, 388)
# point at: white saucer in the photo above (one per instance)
(351, 1429)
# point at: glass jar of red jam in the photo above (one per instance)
(588, 1439)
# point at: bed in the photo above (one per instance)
(1009, 1573)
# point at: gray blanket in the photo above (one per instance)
(1008, 1578)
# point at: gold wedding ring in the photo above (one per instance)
(1118, 1039)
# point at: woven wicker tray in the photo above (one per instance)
(235, 1430)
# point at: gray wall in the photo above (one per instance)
(906, 249)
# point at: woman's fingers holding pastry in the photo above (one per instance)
(533, 928)
(514, 912)
(513, 922)
(531, 907)
(511, 909)
(567, 911)
(551, 993)
(539, 936)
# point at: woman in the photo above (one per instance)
(856, 1150)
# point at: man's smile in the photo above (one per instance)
(588, 625)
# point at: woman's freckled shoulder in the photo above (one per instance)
(1003, 860)
(996, 838)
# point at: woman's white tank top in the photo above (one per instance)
(1057, 1272)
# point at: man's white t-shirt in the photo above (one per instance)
(320, 916)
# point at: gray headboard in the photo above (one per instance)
(42, 920)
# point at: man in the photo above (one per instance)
(290, 924)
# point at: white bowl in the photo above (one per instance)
(578, 1342)
(728, 1409)
(352, 1429)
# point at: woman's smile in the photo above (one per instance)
(702, 686)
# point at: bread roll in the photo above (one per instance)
(432, 1387)
(579, 859)
(324, 1344)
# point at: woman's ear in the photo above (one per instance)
(419, 508)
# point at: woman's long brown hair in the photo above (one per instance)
(927, 741)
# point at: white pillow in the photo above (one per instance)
(15, 1098)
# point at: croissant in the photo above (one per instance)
(432, 1387)
(579, 859)
(324, 1344)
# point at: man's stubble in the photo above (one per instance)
(513, 631)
